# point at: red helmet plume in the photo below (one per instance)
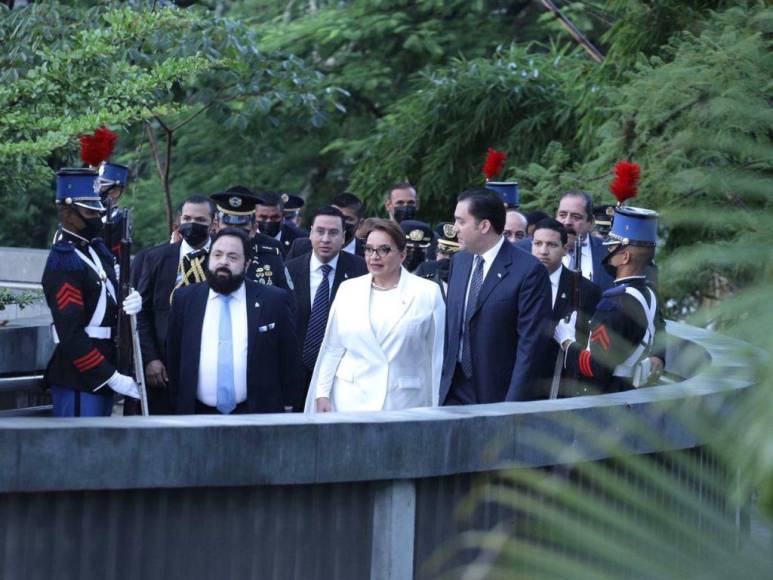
(97, 148)
(495, 162)
(626, 182)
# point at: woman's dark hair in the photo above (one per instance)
(236, 233)
(484, 204)
(555, 225)
(390, 228)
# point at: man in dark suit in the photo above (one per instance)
(165, 268)
(232, 346)
(498, 309)
(575, 212)
(549, 245)
(269, 216)
(327, 264)
(352, 207)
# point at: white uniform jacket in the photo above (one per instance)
(358, 373)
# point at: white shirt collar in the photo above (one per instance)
(240, 294)
(490, 254)
(351, 247)
(186, 249)
(555, 277)
(315, 264)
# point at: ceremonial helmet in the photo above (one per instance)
(78, 186)
(633, 226)
(508, 191)
(111, 175)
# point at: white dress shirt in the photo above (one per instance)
(555, 278)
(206, 391)
(488, 259)
(351, 247)
(186, 249)
(315, 275)
(587, 260)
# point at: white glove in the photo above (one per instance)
(117, 268)
(123, 385)
(565, 330)
(132, 304)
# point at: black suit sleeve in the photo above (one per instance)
(174, 346)
(145, 324)
(290, 355)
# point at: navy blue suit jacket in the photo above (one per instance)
(508, 328)
(274, 379)
(601, 277)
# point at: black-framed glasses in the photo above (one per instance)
(381, 251)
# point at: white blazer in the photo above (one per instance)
(358, 373)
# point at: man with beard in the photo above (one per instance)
(270, 220)
(166, 268)
(232, 346)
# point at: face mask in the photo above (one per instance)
(92, 228)
(269, 228)
(610, 269)
(193, 233)
(404, 212)
(442, 269)
(414, 258)
(348, 232)
(224, 284)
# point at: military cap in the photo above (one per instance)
(507, 190)
(417, 233)
(446, 238)
(236, 205)
(293, 205)
(633, 225)
(111, 175)
(76, 186)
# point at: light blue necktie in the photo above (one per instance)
(226, 395)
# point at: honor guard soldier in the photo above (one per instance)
(80, 288)
(236, 207)
(111, 182)
(623, 350)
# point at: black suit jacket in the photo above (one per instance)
(158, 276)
(287, 234)
(508, 328)
(301, 246)
(348, 266)
(590, 294)
(597, 250)
(273, 357)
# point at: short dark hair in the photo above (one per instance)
(198, 199)
(329, 210)
(484, 204)
(235, 233)
(586, 197)
(271, 198)
(555, 225)
(390, 228)
(400, 185)
(349, 200)
(535, 217)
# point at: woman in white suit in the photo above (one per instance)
(383, 345)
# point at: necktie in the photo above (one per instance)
(315, 330)
(472, 301)
(226, 397)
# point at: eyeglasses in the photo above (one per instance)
(381, 251)
(517, 235)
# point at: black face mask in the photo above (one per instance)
(223, 284)
(193, 233)
(404, 212)
(92, 228)
(348, 232)
(610, 269)
(414, 257)
(442, 269)
(269, 228)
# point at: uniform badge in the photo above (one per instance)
(448, 231)
(235, 202)
(416, 235)
(285, 198)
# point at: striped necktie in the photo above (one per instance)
(315, 330)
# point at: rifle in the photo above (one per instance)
(576, 279)
(129, 354)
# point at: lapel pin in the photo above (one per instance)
(257, 305)
(563, 294)
(499, 274)
(346, 275)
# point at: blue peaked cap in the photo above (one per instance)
(633, 225)
(75, 186)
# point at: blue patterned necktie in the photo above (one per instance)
(226, 395)
(315, 330)
(472, 301)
